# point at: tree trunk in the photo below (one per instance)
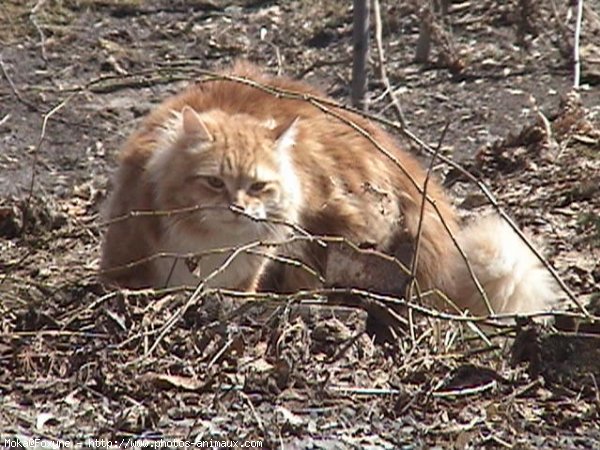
(360, 38)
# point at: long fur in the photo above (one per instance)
(511, 275)
(330, 180)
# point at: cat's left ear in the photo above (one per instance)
(193, 125)
(286, 140)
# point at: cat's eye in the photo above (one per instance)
(215, 182)
(258, 186)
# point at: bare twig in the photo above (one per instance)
(424, 195)
(382, 71)
(422, 212)
(33, 19)
(36, 152)
(415, 255)
(197, 208)
(415, 258)
(363, 391)
(466, 391)
(259, 422)
(54, 333)
(290, 261)
(492, 200)
(308, 297)
(13, 88)
(198, 294)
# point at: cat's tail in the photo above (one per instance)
(513, 278)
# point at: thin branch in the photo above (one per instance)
(36, 153)
(492, 200)
(197, 208)
(415, 259)
(33, 19)
(308, 297)
(424, 195)
(13, 88)
(478, 285)
(466, 391)
(382, 70)
(369, 392)
(415, 255)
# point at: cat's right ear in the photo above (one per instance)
(193, 124)
(286, 140)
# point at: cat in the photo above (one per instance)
(225, 164)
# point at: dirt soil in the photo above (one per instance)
(80, 361)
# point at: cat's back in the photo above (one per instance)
(249, 90)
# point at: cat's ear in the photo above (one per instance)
(193, 124)
(287, 139)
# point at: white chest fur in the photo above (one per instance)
(224, 258)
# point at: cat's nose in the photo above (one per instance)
(238, 201)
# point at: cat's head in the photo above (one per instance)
(217, 161)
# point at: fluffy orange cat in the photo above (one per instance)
(280, 161)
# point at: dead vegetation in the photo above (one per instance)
(81, 361)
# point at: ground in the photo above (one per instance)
(81, 361)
